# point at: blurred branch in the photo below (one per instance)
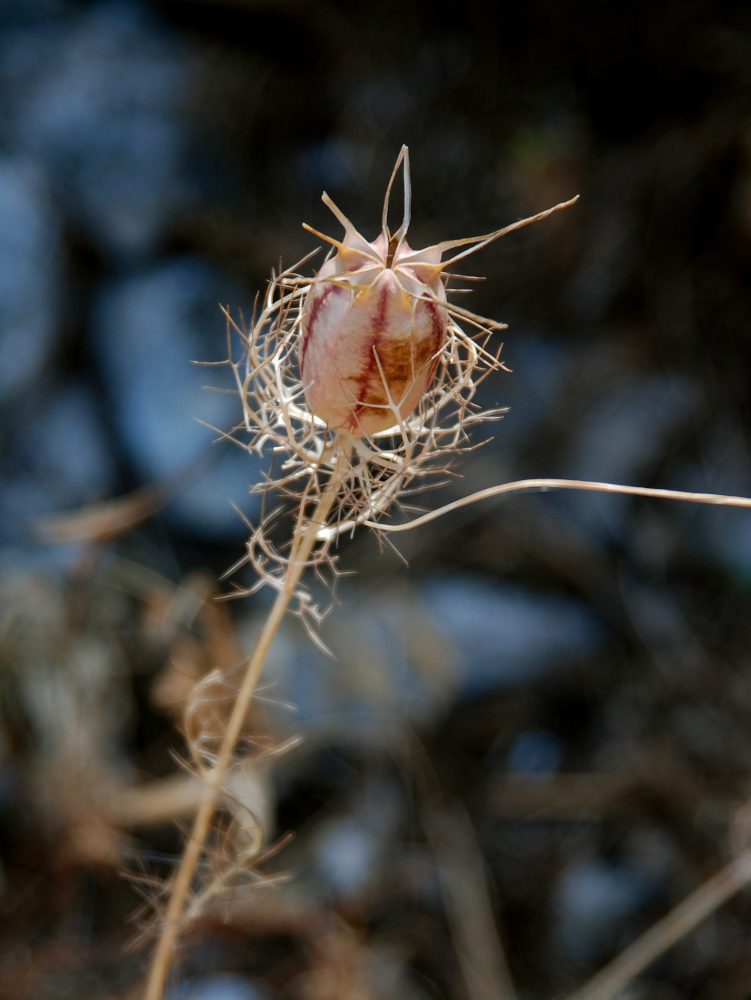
(103, 521)
(468, 906)
(687, 915)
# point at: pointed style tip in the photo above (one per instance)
(402, 161)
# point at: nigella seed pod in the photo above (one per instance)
(375, 319)
(373, 324)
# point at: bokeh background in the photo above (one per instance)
(535, 736)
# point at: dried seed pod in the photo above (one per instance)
(375, 319)
(373, 325)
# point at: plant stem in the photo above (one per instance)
(305, 538)
(544, 485)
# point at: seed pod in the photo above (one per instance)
(373, 325)
(375, 319)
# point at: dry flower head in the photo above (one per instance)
(365, 372)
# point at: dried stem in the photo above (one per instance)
(468, 905)
(306, 535)
(543, 485)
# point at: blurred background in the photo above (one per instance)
(535, 737)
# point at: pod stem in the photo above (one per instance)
(306, 535)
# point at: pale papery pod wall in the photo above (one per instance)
(557, 685)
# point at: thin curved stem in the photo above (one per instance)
(306, 536)
(542, 485)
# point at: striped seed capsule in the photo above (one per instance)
(373, 325)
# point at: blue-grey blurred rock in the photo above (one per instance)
(30, 270)
(505, 635)
(621, 433)
(402, 656)
(332, 164)
(531, 390)
(535, 751)
(353, 849)
(55, 456)
(726, 535)
(390, 668)
(147, 331)
(592, 903)
(97, 99)
(721, 535)
(218, 986)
